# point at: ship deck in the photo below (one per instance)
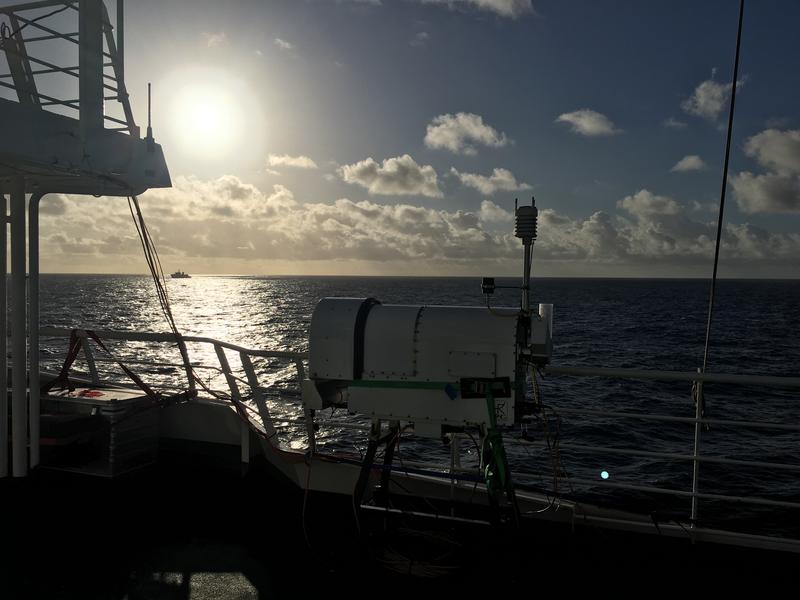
(194, 525)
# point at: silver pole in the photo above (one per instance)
(698, 429)
(3, 340)
(19, 375)
(33, 324)
(526, 278)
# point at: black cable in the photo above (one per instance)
(159, 280)
(724, 186)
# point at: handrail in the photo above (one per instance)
(673, 419)
(250, 380)
(620, 373)
(147, 336)
(678, 456)
(687, 376)
(685, 494)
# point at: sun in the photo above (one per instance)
(208, 113)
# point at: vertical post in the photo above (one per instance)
(526, 278)
(698, 428)
(258, 396)
(3, 339)
(236, 397)
(525, 224)
(308, 412)
(19, 375)
(33, 325)
(149, 136)
(88, 354)
(455, 463)
(121, 40)
(187, 365)
(90, 66)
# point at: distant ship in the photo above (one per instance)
(180, 275)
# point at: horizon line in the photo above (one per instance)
(372, 276)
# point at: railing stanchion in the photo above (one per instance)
(187, 365)
(89, 355)
(698, 428)
(236, 396)
(4, 437)
(258, 395)
(309, 413)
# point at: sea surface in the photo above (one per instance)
(629, 323)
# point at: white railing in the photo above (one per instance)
(699, 422)
(235, 381)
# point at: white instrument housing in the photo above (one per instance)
(412, 363)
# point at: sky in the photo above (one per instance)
(391, 137)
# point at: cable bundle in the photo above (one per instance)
(160, 282)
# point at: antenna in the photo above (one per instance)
(724, 182)
(149, 137)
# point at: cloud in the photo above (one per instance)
(397, 176)
(460, 133)
(660, 234)
(54, 204)
(778, 190)
(216, 39)
(500, 180)
(492, 213)
(768, 193)
(504, 8)
(241, 228)
(283, 44)
(776, 150)
(588, 122)
(708, 100)
(227, 218)
(420, 39)
(284, 160)
(673, 123)
(691, 162)
(645, 204)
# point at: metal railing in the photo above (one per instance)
(234, 382)
(25, 69)
(698, 421)
(245, 375)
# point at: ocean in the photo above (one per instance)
(627, 323)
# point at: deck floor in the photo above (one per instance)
(194, 530)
